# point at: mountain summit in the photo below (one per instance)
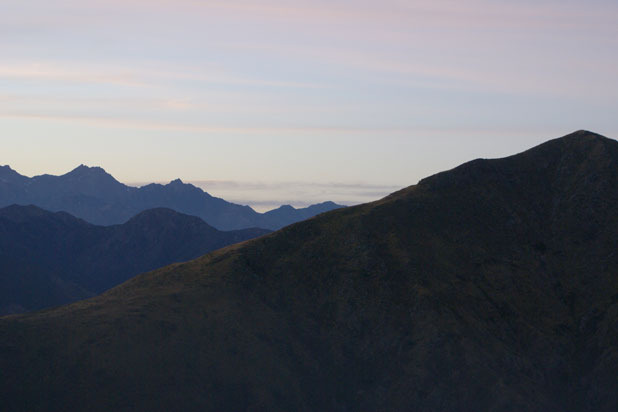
(492, 286)
(8, 175)
(83, 170)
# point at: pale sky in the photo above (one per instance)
(282, 94)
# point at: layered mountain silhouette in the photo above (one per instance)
(49, 259)
(493, 286)
(92, 194)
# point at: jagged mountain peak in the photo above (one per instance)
(9, 175)
(96, 196)
(89, 172)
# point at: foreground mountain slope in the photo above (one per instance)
(493, 286)
(92, 194)
(50, 258)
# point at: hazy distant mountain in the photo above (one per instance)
(92, 194)
(490, 287)
(54, 258)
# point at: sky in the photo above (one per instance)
(271, 101)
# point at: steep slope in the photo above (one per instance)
(493, 286)
(54, 258)
(92, 194)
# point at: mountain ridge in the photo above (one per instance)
(96, 196)
(492, 286)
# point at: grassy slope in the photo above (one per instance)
(490, 287)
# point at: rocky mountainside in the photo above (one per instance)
(92, 194)
(50, 258)
(489, 287)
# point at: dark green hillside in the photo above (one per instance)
(490, 287)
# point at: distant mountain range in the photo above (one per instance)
(489, 287)
(92, 194)
(50, 258)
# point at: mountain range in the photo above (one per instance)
(49, 259)
(489, 287)
(92, 194)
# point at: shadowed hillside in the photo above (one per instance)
(50, 258)
(493, 286)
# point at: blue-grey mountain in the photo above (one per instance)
(92, 194)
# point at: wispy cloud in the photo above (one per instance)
(406, 19)
(51, 72)
(117, 122)
(69, 72)
(444, 12)
(304, 71)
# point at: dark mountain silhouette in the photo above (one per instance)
(490, 287)
(50, 258)
(92, 194)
